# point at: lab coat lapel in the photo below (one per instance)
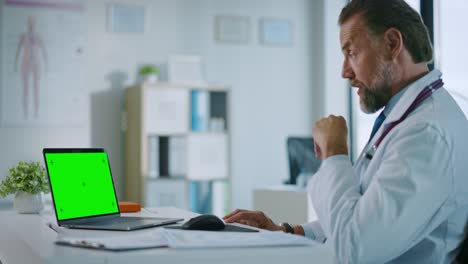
(409, 96)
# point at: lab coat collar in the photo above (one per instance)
(410, 95)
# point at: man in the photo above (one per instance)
(405, 200)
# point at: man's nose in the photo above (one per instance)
(347, 71)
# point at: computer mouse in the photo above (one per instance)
(204, 222)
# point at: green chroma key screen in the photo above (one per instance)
(81, 184)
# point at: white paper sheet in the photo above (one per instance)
(187, 239)
(209, 239)
(137, 241)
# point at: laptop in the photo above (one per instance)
(83, 192)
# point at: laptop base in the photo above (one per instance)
(124, 223)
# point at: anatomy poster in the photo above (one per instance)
(42, 56)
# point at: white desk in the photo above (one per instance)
(27, 239)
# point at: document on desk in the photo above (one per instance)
(187, 239)
(116, 243)
(209, 239)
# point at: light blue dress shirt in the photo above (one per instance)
(409, 204)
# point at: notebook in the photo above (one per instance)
(83, 192)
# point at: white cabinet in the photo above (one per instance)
(166, 192)
(177, 137)
(207, 156)
(165, 111)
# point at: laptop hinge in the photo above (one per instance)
(89, 220)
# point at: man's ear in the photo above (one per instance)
(393, 41)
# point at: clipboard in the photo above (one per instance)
(154, 239)
(100, 246)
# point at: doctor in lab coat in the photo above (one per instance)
(405, 200)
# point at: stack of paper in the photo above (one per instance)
(209, 239)
(138, 241)
(187, 239)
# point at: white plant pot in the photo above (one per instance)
(26, 203)
(150, 78)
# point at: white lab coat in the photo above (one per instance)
(409, 204)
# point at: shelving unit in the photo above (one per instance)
(177, 146)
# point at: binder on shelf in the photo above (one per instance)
(206, 197)
(220, 198)
(218, 111)
(200, 110)
(201, 193)
(177, 156)
(193, 196)
(164, 156)
(153, 156)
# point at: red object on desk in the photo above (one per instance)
(129, 207)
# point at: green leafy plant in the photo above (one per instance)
(29, 177)
(148, 69)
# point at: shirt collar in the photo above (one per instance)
(400, 102)
(393, 101)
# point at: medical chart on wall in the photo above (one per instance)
(42, 56)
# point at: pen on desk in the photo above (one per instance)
(53, 227)
(88, 244)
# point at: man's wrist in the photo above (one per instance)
(287, 228)
(334, 152)
(297, 229)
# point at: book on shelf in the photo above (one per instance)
(200, 113)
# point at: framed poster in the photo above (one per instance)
(274, 31)
(42, 56)
(232, 29)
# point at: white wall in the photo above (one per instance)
(336, 90)
(276, 91)
(272, 92)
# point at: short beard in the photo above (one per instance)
(379, 93)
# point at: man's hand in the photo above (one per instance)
(252, 218)
(330, 137)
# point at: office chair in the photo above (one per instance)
(462, 255)
(301, 155)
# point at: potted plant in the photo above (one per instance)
(149, 73)
(27, 181)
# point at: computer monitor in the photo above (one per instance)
(301, 156)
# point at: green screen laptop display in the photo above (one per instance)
(81, 184)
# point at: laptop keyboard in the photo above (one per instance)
(126, 221)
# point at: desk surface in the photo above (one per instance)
(26, 238)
